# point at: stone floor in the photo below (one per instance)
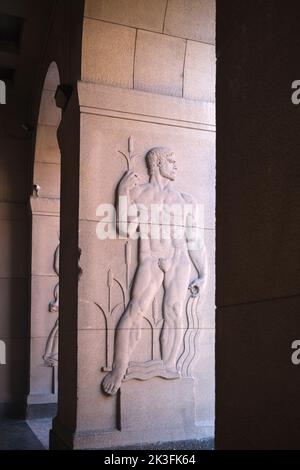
(41, 428)
(17, 435)
(34, 435)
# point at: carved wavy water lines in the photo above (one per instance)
(184, 352)
(194, 336)
(190, 337)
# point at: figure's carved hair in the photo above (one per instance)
(155, 155)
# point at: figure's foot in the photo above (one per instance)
(172, 371)
(112, 381)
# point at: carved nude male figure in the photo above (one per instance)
(162, 261)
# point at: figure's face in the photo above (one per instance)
(167, 167)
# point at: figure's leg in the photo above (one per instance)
(147, 282)
(176, 285)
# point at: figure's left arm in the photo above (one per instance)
(196, 248)
(199, 260)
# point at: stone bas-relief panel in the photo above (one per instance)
(44, 300)
(106, 288)
(163, 261)
(105, 137)
(51, 349)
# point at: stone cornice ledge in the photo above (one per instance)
(138, 105)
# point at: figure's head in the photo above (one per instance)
(162, 160)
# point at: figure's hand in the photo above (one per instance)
(196, 287)
(128, 182)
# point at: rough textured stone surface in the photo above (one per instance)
(41, 295)
(49, 114)
(168, 110)
(159, 63)
(191, 19)
(203, 444)
(96, 287)
(137, 13)
(46, 238)
(41, 375)
(105, 137)
(108, 53)
(52, 78)
(47, 176)
(47, 149)
(102, 138)
(199, 72)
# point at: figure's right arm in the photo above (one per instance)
(125, 197)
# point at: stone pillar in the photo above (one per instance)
(258, 261)
(132, 102)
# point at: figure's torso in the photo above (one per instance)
(162, 216)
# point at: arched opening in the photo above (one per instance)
(45, 210)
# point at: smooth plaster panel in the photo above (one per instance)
(142, 14)
(191, 19)
(159, 63)
(108, 53)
